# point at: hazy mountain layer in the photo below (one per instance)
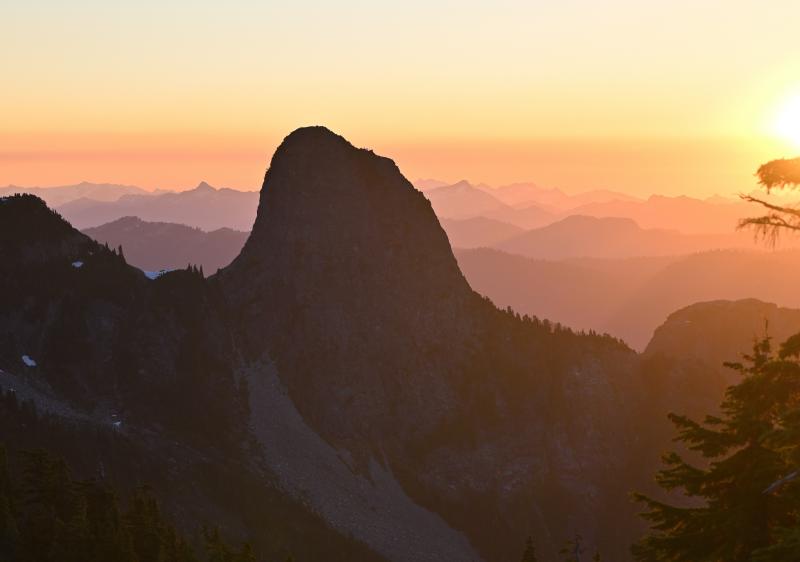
(204, 207)
(463, 201)
(153, 246)
(610, 237)
(478, 232)
(59, 195)
(629, 298)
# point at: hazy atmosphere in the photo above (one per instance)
(400, 282)
(673, 98)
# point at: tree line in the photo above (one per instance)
(47, 515)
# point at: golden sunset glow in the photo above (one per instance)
(574, 95)
(787, 122)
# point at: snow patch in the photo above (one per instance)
(28, 361)
(77, 264)
(153, 275)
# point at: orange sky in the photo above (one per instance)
(676, 98)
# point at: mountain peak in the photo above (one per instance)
(204, 187)
(341, 203)
(462, 184)
(339, 224)
(314, 134)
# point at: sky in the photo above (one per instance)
(645, 97)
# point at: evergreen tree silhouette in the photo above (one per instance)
(529, 555)
(747, 501)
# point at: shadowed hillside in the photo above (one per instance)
(629, 298)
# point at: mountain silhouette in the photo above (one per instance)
(431, 375)
(340, 372)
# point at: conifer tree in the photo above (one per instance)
(572, 550)
(8, 525)
(530, 552)
(47, 516)
(777, 174)
(736, 513)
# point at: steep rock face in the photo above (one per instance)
(503, 425)
(347, 261)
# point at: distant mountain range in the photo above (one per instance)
(685, 214)
(424, 184)
(522, 205)
(204, 207)
(59, 195)
(553, 199)
(478, 232)
(629, 298)
(463, 200)
(611, 237)
(529, 206)
(153, 246)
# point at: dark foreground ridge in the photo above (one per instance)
(338, 391)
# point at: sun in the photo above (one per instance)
(787, 121)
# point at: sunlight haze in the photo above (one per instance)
(577, 95)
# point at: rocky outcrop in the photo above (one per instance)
(716, 332)
(503, 425)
